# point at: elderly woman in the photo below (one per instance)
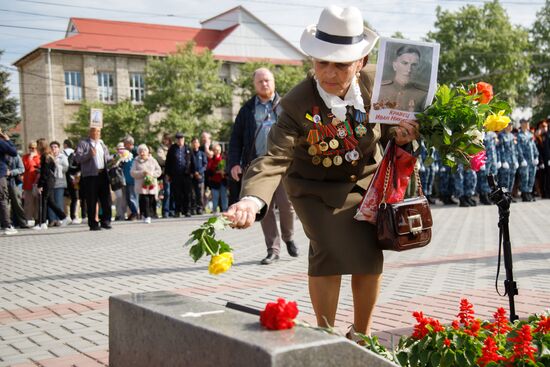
(326, 153)
(145, 170)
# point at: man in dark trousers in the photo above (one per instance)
(248, 141)
(7, 149)
(93, 156)
(197, 180)
(178, 172)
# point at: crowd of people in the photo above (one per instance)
(518, 159)
(46, 186)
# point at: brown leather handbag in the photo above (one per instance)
(404, 225)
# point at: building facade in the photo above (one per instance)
(105, 61)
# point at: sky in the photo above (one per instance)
(413, 18)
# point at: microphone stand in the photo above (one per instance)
(502, 198)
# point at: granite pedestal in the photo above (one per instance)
(167, 329)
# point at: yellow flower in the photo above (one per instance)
(220, 263)
(496, 122)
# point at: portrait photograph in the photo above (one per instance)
(405, 81)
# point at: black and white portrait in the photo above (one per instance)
(406, 79)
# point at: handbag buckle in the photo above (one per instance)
(415, 219)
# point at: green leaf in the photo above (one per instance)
(224, 247)
(424, 356)
(435, 358)
(212, 243)
(448, 358)
(461, 359)
(196, 252)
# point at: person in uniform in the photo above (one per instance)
(428, 172)
(465, 181)
(326, 153)
(491, 167)
(506, 148)
(528, 158)
(402, 93)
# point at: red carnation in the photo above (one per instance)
(485, 91)
(280, 315)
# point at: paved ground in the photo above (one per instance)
(54, 285)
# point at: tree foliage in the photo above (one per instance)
(186, 85)
(8, 105)
(119, 120)
(480, 44)
(540, 71)
(286, 77)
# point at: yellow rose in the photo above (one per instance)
(496, 122)
(220, 263)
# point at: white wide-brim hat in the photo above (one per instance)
(339, 36)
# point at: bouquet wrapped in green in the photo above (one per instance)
(454, 123)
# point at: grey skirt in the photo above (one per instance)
(338, 244)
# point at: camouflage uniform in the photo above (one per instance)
(528, 160)
(465, 186)
(411, 97)
(507, 152)
(446, 184)
(427, 173)
(491, 166)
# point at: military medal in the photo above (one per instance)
(327, 162)
(354, 155)
(341, 132)
(337, 160)
(360, 130)
(360, 117)
(323, 146)
(316, 119)
(312, 150)
(316, 160)
(333, 143)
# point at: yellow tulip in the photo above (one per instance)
(496, 122)
(220, 263)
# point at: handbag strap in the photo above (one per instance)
(391, 150)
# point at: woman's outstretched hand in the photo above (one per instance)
(242, 214)
(406, 131)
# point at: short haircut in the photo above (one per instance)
(407, 49)
(195, 139)
(129, 139)
(142, 147)
(55, 142)
(262, 70)
(68, 143)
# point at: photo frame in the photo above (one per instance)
(405, 80)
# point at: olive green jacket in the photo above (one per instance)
(287, 155)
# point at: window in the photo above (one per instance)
(105, 84)
(137, 87)
(73, 86)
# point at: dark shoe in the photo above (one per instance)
(96, 228)
(471, 200)
(106, 226)
(132, 216)
(270, 258)
(484, 199)
(177, 215)
(448, 200)
(188, 214)
(464, 202)
(431, 200)
(532, 197)
(292, 249)
(199, 211)
(525, 197)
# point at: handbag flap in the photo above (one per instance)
(412, 215)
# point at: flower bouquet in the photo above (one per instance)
(149, 182)
(468, 341)
(203, 241)
(454, 123)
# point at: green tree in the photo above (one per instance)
(119, 120)
(286, 77)
(480, 44)
(187, 87)
(8, 105)
(540, 72)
